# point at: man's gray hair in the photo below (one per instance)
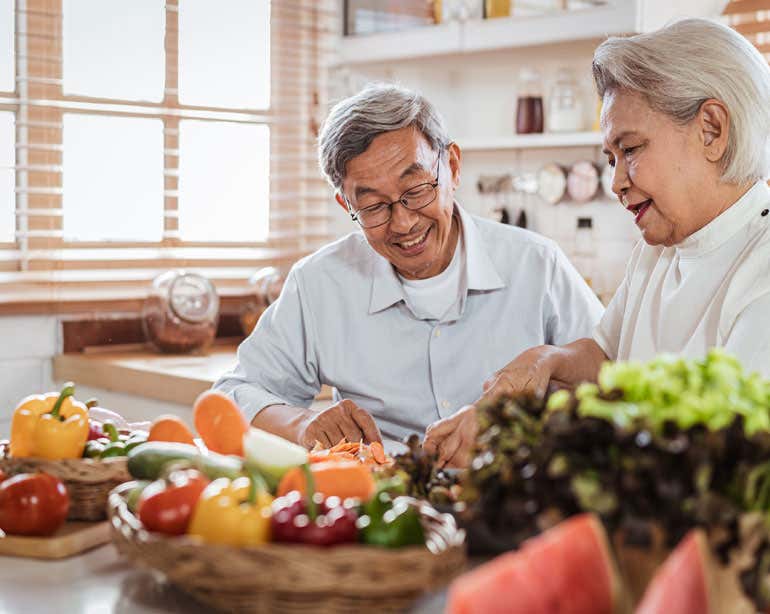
(354, 122)
(679, 67)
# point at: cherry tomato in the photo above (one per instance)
(166, 505)
(33, 504)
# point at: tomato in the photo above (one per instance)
(33, 504)
(166, 505)
(3, 476)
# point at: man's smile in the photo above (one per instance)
(414, 244)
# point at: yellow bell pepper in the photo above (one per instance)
(52, 426)
(233, 512)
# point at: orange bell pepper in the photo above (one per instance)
(52, 426)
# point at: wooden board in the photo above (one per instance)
(71, 539)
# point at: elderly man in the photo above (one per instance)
(406, 319)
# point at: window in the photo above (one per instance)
(752, 19)
(148, 135)
(221, 167)
(7, 178)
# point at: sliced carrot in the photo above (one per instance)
(219, 422)
(378, 452)
(170, 428)
(333, 478)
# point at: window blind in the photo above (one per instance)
(300, 203)
(752, 19)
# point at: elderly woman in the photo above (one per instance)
(685, 125)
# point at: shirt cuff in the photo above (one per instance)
(604, 344)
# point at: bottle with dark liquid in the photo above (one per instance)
(529, 103)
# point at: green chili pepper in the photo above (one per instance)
(93, 449)
(134, 440)
(116, 448)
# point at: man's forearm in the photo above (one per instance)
(286, 421)
(577, 362)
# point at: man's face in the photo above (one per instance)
(419, 244)
(660, 173)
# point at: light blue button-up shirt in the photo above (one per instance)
(342, 319)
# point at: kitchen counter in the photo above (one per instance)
(141, 372)
(98, 582)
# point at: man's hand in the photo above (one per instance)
(452, 438)
(344, 419)
(527, 374)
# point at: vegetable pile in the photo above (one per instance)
(277, 492)
(672, 444)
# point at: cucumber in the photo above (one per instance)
(147, 460)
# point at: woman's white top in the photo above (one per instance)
(712, 289)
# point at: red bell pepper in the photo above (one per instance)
(316, 520)
(33, 504)
(166, 505)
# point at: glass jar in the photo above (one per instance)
(529, 103)
(181, 312)
(265, 285)
(565, 109)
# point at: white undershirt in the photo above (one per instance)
(431, 298)
(713, 289)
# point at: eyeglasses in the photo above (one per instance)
(414, 199)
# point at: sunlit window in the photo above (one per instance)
(7, 179)
(113, 178)
(6, 46)
(114, 48)
(224, 53)
(223, 181)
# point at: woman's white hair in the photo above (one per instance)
(679, 67)
(354, 122)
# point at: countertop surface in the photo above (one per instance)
(176, 378)
(100, 581)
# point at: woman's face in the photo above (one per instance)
(661, 175)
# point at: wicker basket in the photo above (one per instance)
(294, 578)
(88, 481)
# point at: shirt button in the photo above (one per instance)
(437, 332)
(445, 404)
(765, 212)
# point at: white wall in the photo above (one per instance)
(27, 347)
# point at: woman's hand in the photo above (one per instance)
(528, 374)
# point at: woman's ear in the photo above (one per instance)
(714, 123)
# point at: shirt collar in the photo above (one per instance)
(723, 227)
(479, 269)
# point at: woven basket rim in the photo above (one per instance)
(103, 470)
(117, 503)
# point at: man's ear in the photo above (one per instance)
(340, 201)
(714, 124)
(455, 158)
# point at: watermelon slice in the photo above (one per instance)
(692, 580)
(566, 570)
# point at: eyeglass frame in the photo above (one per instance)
(354, 215)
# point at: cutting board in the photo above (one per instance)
(71, 539)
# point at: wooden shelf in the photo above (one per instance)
(479, 35)
(532, 141)
(488, 34)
